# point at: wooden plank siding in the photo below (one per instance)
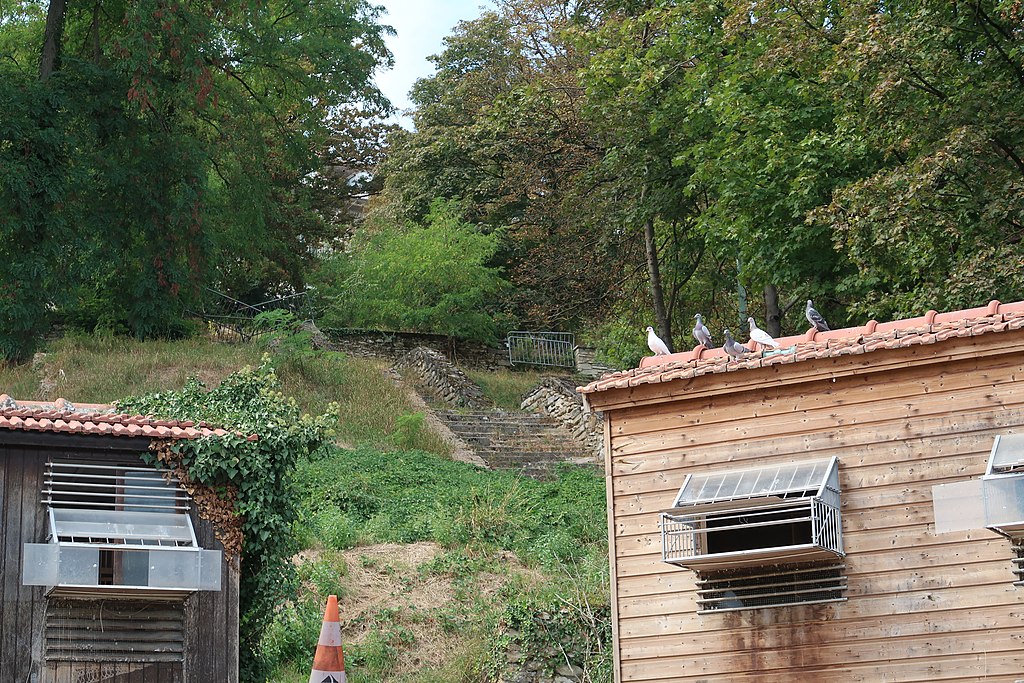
(920, 607)
(210, 623)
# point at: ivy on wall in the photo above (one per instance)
(256, 473)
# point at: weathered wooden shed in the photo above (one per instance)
(107, 572)
(848, 508)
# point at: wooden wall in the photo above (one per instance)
(921, 607)
(210, 619)
(22, 608)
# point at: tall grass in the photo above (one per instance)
(506, 387)
(481, 519)
(104, 368)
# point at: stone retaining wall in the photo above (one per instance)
(394, 345)
(442, 379)
(557, 397)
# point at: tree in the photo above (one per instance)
(435, 277)
(200, 135)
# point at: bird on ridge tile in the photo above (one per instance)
(701, 333)
(760, 336)
(655, 344)
(815, 318)
(731, 347)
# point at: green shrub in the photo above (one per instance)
(248, 402)
(419, 278)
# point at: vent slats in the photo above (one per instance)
(89, 631)
(1018, 564)
(784, 586)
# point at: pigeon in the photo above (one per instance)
(701, 333)
(732, 348)
(760, 336)
(655, 344)
(815, 319)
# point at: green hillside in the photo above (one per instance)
(442, 568)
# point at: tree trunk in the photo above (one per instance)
(662, 320)
(741, 294)
(773, 314)
(53, 36)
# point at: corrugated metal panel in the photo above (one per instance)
(807, 478)
(114, 631)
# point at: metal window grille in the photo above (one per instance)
(120, 527)
(751, 518)
(782, 585)
(556, 349)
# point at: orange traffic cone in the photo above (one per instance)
(329, 662)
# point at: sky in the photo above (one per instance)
(421, 25)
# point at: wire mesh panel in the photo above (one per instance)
(555, 349)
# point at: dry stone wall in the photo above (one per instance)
(557, 398)
(394, 345)
(442, 379)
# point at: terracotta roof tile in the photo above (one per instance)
(61, 416)
(930, 328)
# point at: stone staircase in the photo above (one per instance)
(528, 443)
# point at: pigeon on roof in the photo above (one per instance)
(701, 333)
(815, 319)
(731, 347)
(654, 342)
(760, 336)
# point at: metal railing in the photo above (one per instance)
(232, 319)
(553, 349)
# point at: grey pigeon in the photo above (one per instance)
(701, 333)
(655, 344)
(815, 319)
(760, 336)
(732, 348)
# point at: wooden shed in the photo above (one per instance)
(107, 571)
(846, 508)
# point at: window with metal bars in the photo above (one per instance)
(750, 518)
(118, 526)
(759, 537)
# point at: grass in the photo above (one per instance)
(486, 524)
(506, 387)
(104, 368)
(393, 486)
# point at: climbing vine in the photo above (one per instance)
(254, 472)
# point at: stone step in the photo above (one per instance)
(525, 419)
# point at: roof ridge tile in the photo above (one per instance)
(930, 328)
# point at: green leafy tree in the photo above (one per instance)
(190, 143)
(435, 277)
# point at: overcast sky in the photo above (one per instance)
(421, 25)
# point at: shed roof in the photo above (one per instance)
(61, 416)
(931, 328)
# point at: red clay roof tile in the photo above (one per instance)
(61, 416)
(930, 328)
